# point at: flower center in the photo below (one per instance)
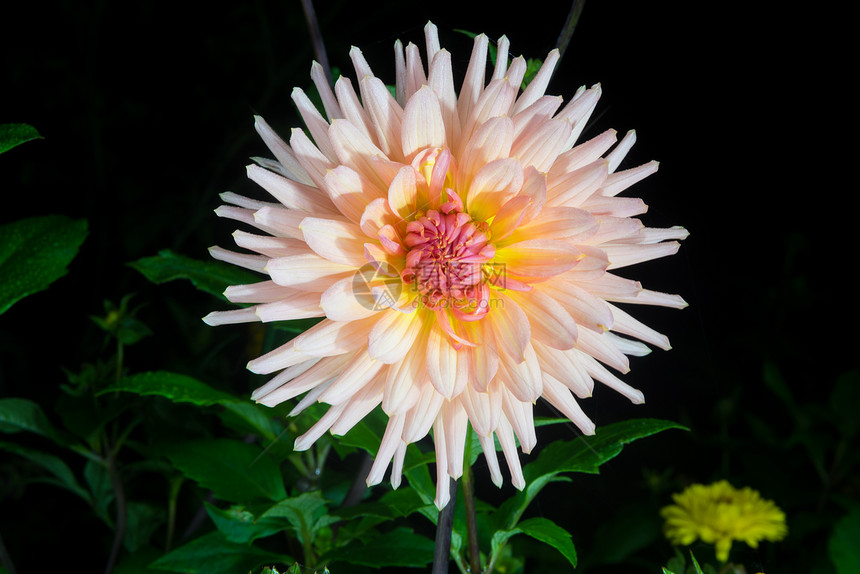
(445, 259)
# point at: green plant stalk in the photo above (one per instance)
(442, 548)
(121, 513)
(471, 521)
(172, 497)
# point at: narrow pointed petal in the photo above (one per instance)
(338, 241)
(423, 125)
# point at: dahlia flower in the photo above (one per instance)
(460, 249)
(718, 513)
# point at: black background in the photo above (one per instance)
(146, 112)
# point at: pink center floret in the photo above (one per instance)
(445, 261)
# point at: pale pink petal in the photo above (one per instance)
(356, 150)
(559, 396)
(314, 162)
(387, 116)
(282, 151)
(359, 406)
(619, 181)
(505, 434)
(492, 186)
(318, 374)
(360, 371)
(473, 83)
(283, 222)
(519, 415)
(393, 334)
(390, 443)
(446, 366)
(541, 145)
(306, 441)
(422, 414)
(563, 366)
(338, 241)
(549, 321)
(455, 427)
(352, 109)
(351, 192)
(342, 301)
(316, 124)
(246, 260)
(488, 445)
(308, 272)
(403, 193)
(298, 306)
(537, 86)
(262, 292)
(291, 194)
(423, 125)
(538, 257)
(270, 246)
(522, 379)
(443, 483)
(510, 327)
(323, 86)
(328, 337)
(246, 315)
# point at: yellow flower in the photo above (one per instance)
(718, 514)
(460, 248)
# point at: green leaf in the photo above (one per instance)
(98, 479)
(543, 530)
(235, 471)
(34, 253)
(306, 513)
(25, 415)
(399, 547)
(174, 386)
(584, 454)
(65, 478)
(12, 135)
(213, 276)
(239, 525)
(843, 545)
(393, 504)
(143, 520)
(213, 554)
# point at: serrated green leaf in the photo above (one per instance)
(65, 478)
(97, 478)
(843, 546)
(541, 529)
(12, 135)
(393, 504)
(25, 415)
(213, 554)
(239, 525)
(143, 519)
(174, 386)
(306, 513)
(399, 547)
(585, 454)
(35, 252)
(212, 276)
(235, 471)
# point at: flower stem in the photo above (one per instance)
(442, 549)
(316, 37)
(569, 26)
(471, 521)
(121, 514)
